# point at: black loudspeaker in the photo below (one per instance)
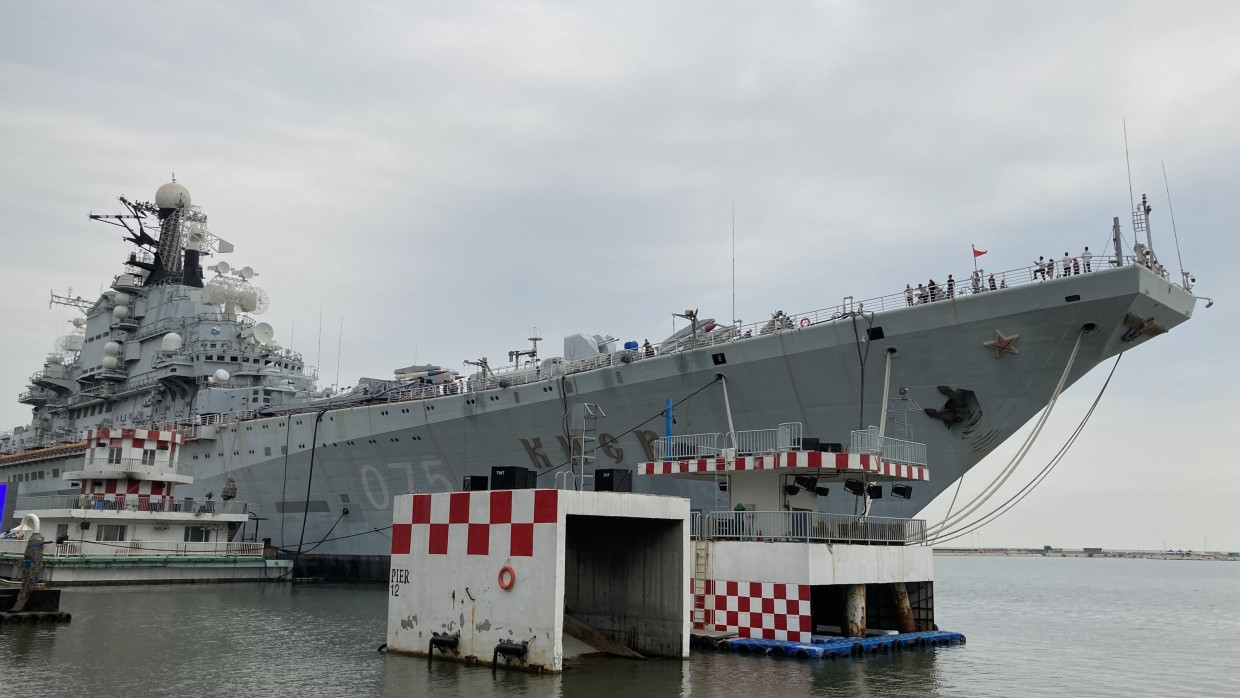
(831, 447)
(512, 477)
(875, 491)
(809, 443)
(475, 483)
(613, 480)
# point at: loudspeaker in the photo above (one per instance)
(475, 483)
(512, 477)
(875, 491)
(833, 447)
(613, 480)
(809, 443)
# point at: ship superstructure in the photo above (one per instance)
(958, 368)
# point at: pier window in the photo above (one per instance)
(148, 456)
(114, 456)
(110, 532)
(197, 534)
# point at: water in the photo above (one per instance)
(1036, 627)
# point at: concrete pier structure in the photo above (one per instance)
(500, 570)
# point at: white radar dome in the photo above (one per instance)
(120, 312)
(172, 195)
(109, 362)
(121, 299)
(170, 343)
(220, 375)
(111, 349)
(79, 322)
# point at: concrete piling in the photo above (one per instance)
(904, 610)
(855, 611)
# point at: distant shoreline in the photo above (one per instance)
(1091, 552)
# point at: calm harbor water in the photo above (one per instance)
(1036, 627)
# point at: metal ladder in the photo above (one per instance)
(701, 573)
(584, 441)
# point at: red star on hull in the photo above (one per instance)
(1003, 344)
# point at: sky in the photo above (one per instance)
(425, 183)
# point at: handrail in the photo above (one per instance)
(808, 526)
(893, 450)
(129, 502)
(688, 446)
(785, 437)
(87, 548)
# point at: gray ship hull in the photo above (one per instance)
(323, 482)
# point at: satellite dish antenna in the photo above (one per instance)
(246, 273)
(261, 333)
(222, 268)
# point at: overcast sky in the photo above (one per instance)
(444, 177)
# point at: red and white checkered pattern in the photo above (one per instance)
(766, 610)
(498, 522)
(136, 435)
(790, 459)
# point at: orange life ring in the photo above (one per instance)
(805, 322)
(507, 577)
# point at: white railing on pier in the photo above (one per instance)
(132, 549)
(130, 465)
(688, 446)
(128, 502)
(785, 437)
(807, 526)
(893, 450)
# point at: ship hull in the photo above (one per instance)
(323, 482)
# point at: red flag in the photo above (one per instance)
(978, 253)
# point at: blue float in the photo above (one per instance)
(830, 647)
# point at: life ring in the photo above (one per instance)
(507, 577)
(805, 322)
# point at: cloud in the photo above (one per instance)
(443, 178)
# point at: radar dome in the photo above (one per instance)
(172, 195)
(220, 376)
(171, 343)
(110, 363)
(111, 349)
(120, 312)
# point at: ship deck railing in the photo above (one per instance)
(128, 502)
(512, 376)
(807, 527)
(136, 549)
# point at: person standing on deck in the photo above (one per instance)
(908, 294)
(1039, 268)
(1067, 264)
(1085, 258)
(951, 286)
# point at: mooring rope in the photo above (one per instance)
(935, 531)
(1037, 479)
